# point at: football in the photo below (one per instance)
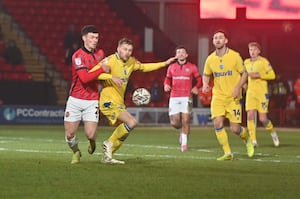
(141, 96)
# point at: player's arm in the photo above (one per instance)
(205, 82)
(107, 76)
(87, 76)
(167, 83)
(147, 67)
(269, 74)
(103, 76)
(239, 86)
(266, 75)
(198, 79)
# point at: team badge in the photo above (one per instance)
(78, 61)
(221, 66)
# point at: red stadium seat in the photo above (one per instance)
(45, 22)
(19, 68)
(6, 67)
(25, 76)
(2, 61)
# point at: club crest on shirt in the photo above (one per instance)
(221, 66)
(78, 61)
(187, 70)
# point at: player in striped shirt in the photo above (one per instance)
(257, 97)
(83, 97)
(179, 81)
(226, 67)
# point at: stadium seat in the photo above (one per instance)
(6, 67)
(19, 68)
(53, 18)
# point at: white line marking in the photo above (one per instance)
(184, 156)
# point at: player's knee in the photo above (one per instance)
(91, 136)
(175, 124)
(235, 129)
(218, 124)
(69, 135)
(132, 123)
(263, 120)
(71, 141)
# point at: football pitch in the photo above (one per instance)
(35, 163)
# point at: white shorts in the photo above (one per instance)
(78, 109)
(180, 105)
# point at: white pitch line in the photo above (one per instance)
(164, 147)
(184, 156)
(10, 139)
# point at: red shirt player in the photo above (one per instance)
(179, 81)
(83, 98)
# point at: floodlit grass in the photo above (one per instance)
(35, 163)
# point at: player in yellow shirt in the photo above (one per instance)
(226, 67)
(257, 96)
(112, 105)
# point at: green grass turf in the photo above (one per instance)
(35, 163)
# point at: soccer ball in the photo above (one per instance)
(141, 96)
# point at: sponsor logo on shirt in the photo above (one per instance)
(222, 74)
(182, 77)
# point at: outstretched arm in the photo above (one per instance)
(154, 66)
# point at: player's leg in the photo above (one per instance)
(252, 105)
(234, 114)
(243, 134)
(115, 141)
(72, 119)
(128, 123)
(222, 138)
(70, 135)
(185, 109)
(175, 121)
(111, 112)
(218, 116)
(251, 124)
(175, 115)
(185, 119)
(262, 115)
(269, 127)
(90, 116)
(90, 129)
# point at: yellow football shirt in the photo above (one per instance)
(264, 68)
(118, 68)
(226, 71)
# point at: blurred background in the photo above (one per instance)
(38, 37)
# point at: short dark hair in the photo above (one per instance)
(180, 47)
(125, 41)
(88, 29)
(221, 31)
